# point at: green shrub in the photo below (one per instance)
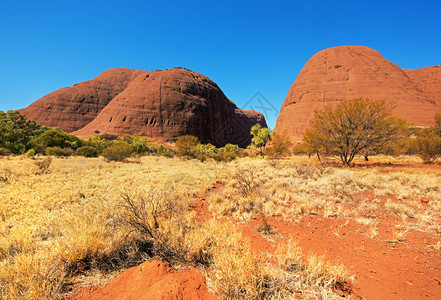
(87, 151)
(139, 144)
(118, 151)
(228, 153)
(164, 151)
(57, 138)
(30, 153)
(57, 151)
(98, 142)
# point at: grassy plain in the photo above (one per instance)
(72, 226)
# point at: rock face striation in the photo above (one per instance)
(428, 80)
(72, 108)
(160, 104)
(350, 72)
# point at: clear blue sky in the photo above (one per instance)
(244, 46)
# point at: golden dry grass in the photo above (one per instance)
(61, 227)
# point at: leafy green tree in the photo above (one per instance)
(359, 126)
(16, 131)
(261, 136)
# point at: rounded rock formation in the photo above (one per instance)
(350, 72)
(165, 104)
(72, 108)
(428, 79)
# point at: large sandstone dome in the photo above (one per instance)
(350, 72)
(160, 104)
(72, 108)
(428, 80)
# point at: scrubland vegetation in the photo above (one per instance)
(77, 213)
(81, 221)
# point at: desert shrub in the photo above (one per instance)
(43, 165)
(359, 126)
(229, 152)
(87, 151)
(246, 181)
(5, 152)
(118, 151)
(57, 151)
(144, 214)
(98, 142)
(428, 146)
(164, 151)
(280, 145)
(109, 137)
(139, 144)
(205, 151)
(57, 138)
(30, 153)
(187, 145)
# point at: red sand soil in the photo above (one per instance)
(153, 280)
(382, 268)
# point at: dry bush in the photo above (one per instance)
(246, 181)
(118, 151)
(43, 165)
(186, 145)
(5, 175)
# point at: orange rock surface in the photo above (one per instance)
(71, 108)
(349, 72)
(160, 104)
(168, 103)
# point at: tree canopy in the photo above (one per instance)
(359, 126)
(16, 131)
(261, 136)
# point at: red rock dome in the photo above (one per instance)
(71, 108)
(350, 72)
(160, 104)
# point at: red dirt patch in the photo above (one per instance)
(153, 280)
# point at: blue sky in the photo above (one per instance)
(244, 46)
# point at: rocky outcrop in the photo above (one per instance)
(349, 72)
(72, 108)
(161, 105)
(165, 104)
(428, 80)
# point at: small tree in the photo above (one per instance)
(261, 136)
(352, 127)
(280, 145)
(428, 146)
(16, 131)
(428, 142)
